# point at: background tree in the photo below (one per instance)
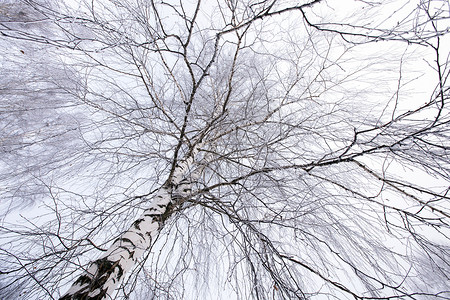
(246, 149)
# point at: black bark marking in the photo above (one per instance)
(156, 218)
(126, 240)
(120, 272)
(137, 222)
(130, 253)
(139, 234)
(167, 213)
(105, 268)
(83, 279)
(152, 215)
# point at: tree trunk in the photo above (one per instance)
(104, 275)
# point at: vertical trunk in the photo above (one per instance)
(104, 275)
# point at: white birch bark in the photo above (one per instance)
(104, 275)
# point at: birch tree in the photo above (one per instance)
(225, 149)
